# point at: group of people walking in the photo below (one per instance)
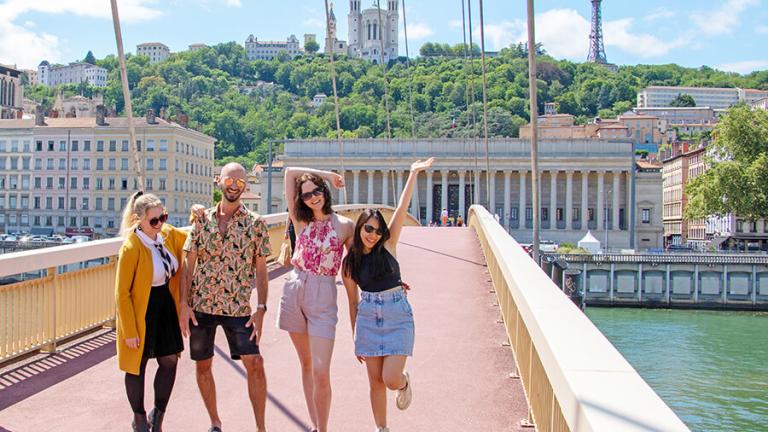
(172, 285)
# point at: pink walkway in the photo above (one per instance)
(459, 369)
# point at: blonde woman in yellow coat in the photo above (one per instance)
(147, 296)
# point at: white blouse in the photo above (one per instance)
(158, 271)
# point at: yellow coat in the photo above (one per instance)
(132, 286)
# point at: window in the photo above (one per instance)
(48, 203)
(62, 145)
(86, 182)
(112, 145)
(124, 184)
(112, 164)
(73, 203)
(49, 182)
(150, 145)
(62, 164)
(124, 164)
(38, 183)
(753, 227)
(149, 184)
(150, 164)
(111, 183)
(110, 223)
(87, 145)
(38, 145)
(73, 183)
(73, 221)
(50, 145)
(24, 202)
(99, 183)
(162, 184)
(36, 204)
(25, 163)
(100, 146)
(99, 202)
(97, 222)
(739, 226)
(73, 164)
(125, 145)
(545, 213)
(163, 164)
(514, 213)
(38, 164)
(86, 164)
(85, 221)
(12, 201)
(2, 163)
(25, 182)
(85, 203)
(14, 163)
(529, 213)
(646, 215)
(111, 204)
(559, 214)
(62, 182)
(75, 145)
(2, 201)
(99, 164)
(49, 221)
(49, 163)
(163, 145)
(61, 203)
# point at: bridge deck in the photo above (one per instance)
(459, 368)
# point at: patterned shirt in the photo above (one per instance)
(225, 271)
(318, 249)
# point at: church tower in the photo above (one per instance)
(330, 37)
(392, 26)
(354, 26)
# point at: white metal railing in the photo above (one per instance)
(574, 378)
(38, 313)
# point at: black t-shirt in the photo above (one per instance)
(379, 279)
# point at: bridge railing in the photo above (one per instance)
(692, 257)
(39, 313)
(574, 379)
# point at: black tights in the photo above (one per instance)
(164, 379)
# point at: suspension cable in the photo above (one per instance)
(127, 95)
(408, 68)
(485, 110)
(472, 94)
(335, 96)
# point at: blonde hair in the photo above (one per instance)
(135, 210)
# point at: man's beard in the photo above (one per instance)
(225, 194)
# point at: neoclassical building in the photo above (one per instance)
(586, 184)
(367, 30)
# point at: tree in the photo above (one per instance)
(90, 58)
(737, 180)
(683, 100)
(311, 47)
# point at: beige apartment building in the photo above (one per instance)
(156, 51)
(674, 178)
(77, 173)
(717, 98)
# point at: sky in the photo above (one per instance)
(729, 35)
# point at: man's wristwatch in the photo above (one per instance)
(261, 306)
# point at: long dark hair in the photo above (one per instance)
(351, 264)
(303, 212)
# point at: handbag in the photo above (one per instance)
(284, 259)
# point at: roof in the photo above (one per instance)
(638, 116)
(151, 44)
(646, 164)
(90, 122)
(612, 126)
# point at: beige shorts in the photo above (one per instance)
(308, 305)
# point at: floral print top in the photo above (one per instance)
(318, 249)
(225, 272)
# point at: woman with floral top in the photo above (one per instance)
(308, 308)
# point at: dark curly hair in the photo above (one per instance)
(303, 212)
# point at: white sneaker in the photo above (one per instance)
(404, 395)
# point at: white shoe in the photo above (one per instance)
(382, 429)
(404, 395)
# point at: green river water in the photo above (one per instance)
(710, 367)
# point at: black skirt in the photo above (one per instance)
(163, 335)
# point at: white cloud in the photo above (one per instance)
(454, 24)
(762, 29)
(234, 3)
(659, 14)
(743, 67)
(618, 33)
(724, 19)
(20, 45)
(499, 35)
(418, 31)
(314, 23)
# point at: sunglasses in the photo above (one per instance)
(308, 195)
(370, 229)
(229, 181)
(157, 221)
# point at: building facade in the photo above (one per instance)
(675, 177)
(74, 73)
(648, 190)
(156, 51)
(11, 93)
(717, 98)
(697, 228)
(585, 184)
(268, 50)
(369, 28)
(197, 46)
(74, 175)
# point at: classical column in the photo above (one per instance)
(521, 213)
(568, 200)
(429, 191)
(462, 201)
(492, 191)
(553, 200)
(599, 209)
(478, 182)
(415, 197)
(370, 174)
(399, 186)
(444, 193)
(385, 187)
(507, 184)
(584, 200)
(629, 207)
(355, 187)
(616, 190)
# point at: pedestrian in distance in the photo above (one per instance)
(381, 316)
(147, 297)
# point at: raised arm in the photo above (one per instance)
(289, 181)
(396, 224)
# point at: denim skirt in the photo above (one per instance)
(384, 324)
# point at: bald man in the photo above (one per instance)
(225, 253)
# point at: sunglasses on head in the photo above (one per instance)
(229, 181)
(308, 195)
(371, 229)
(156, 221)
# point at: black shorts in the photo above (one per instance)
(202, 336)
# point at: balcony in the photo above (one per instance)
(497, 344)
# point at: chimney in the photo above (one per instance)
(162, 113)
(685, 147)
(39, 116)
(151, 116)
(101, 112)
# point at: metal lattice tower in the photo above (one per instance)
(596, 46)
